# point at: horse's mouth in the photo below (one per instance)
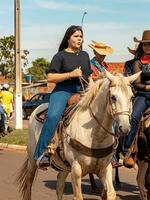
(122, 131)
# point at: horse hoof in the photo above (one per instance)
(117, 183)
(96, 190)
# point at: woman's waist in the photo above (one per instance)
(143, 93)
(68, 86)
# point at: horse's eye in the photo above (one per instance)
(113, 98)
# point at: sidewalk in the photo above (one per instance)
(14, 146)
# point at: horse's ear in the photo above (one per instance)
(132, 78)
(109, 75)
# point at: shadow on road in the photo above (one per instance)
(86, 189)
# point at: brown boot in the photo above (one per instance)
(128, 161)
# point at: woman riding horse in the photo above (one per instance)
(67, 66)
(142, 86)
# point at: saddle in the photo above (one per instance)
(55, 148)
(72, 101)
(143, 140)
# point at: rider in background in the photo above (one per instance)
(98, 66)
(7, 100)
(65, 69)
(142, 98)
(2, 116)
(128, 67)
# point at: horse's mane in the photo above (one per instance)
(88, 96)
(91, 92)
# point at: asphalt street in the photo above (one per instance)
(45, 184)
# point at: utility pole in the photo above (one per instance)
(82, 20)
(18, 84)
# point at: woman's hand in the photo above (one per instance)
(76, 73)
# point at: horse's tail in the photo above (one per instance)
(25, 178)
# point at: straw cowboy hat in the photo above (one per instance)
(101, 48)
(145, 37)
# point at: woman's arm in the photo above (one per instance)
(137, 84)
(59, 77)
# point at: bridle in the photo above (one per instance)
(112, 112)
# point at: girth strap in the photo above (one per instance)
(96, 153)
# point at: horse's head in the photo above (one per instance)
(120, 97)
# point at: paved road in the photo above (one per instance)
(45, 184)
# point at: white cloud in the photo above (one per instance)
(44, 40)
(66, 6)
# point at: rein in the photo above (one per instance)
(100, 124)
(82, 84)
(113, 113)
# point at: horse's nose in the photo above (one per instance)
(124, 130)
(120, 129)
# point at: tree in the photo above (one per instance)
(38, 69)
(7, 56)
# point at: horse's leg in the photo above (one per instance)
(142, 168)
(92, 181)
(76, 174)
(108, 191)
(61, 177)
(118, 150)
(26, 177)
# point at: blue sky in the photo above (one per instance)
(43, 23)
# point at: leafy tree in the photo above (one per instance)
(38, 69)
(7, 56)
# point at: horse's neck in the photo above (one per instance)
(86, 129)
(100, 110)
(99, 105)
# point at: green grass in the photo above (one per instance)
(18, 137)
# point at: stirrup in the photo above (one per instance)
(57, 163)
(51, 149)
(39, 164)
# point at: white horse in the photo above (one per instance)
(104, 102)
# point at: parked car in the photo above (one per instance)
(34, 102)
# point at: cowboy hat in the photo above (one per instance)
(145, 37)
(133, 51)
(101, 48)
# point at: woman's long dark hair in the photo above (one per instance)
(139, 51)
(69, 32)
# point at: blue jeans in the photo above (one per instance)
(141, 103)
(57, 104)
(2, 119)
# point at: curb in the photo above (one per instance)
(13, 146)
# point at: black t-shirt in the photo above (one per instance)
(143, 80)
(64, 62)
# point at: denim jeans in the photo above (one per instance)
(57, 104)
(141, 103)
(2, 119)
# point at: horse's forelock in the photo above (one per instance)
(121, 82)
